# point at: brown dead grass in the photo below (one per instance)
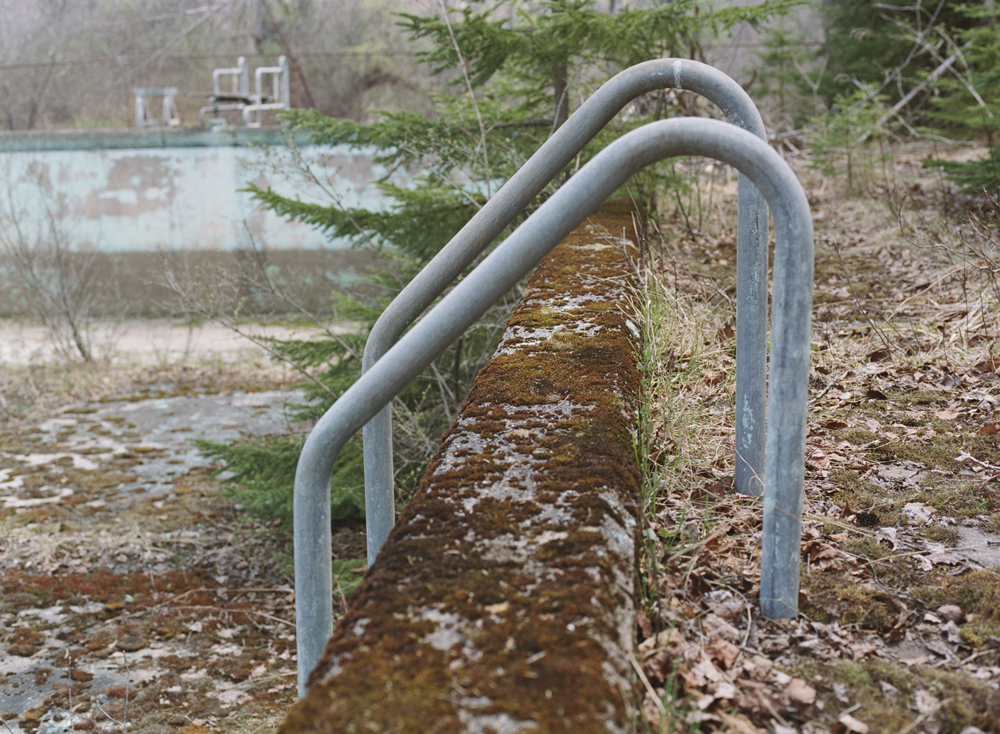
(897, 628)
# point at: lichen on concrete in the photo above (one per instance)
(503, 600)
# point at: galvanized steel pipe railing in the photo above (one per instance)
(523, 186)
(784, 464)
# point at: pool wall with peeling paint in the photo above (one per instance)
(135, 191)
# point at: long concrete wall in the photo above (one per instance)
(133, 191)
(504, 598)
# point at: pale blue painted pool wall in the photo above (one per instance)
(119, 191)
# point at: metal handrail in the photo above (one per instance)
(784, 464)
(523, 186)
(240, 79)
(280, 97)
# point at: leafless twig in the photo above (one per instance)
(648, 686)
(472, 94)
(857, 302)
(128, 680)
(61, 284)
(830, 385)
(962, 456)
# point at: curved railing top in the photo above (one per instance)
(547, 162)
(554, 155)
(514, 258)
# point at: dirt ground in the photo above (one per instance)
(899, 629)
(131, 587)
(134, 590)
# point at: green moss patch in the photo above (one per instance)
(830, 598)
(941, 451)
(884, 696)
(976, 592)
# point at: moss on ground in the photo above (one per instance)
(832, 598)
(976, 592)
(941, 451)
(884, 694)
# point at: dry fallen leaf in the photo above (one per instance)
(952, 633)
(740, 724)
(725, 690)
(847, 724)
(667, 639)
(946, 415)
(940, 553)
(816, 550)
(645, 626)
(800, 693)
(861, 649)
(924, 702)
(722, 652)
(888, 535)
(951, 612)
(714, 378)
(888, 689)
(816, 459)
(700, 676)
(731, 610)
(652, 710)
(716, 627)
(840, 691)
(978, 396)
(917, 513)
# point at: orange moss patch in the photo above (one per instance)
(502, 600)
(165, 598)
(103, 586)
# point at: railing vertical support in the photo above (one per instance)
(751, 337)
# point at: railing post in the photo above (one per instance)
(751, 337)
(787, 399)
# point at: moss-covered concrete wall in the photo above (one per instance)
(503, 599)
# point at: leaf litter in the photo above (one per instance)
(899, 624)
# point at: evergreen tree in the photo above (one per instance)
(874, 54)
(512, 73)
(973, 101)
(889, 46)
